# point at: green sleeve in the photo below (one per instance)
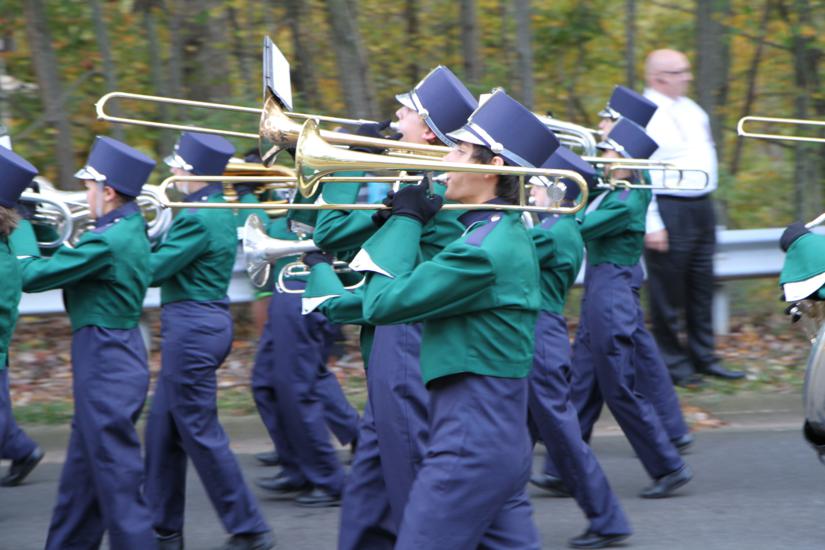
(612, 216)
(68, 265)
(186, 240)
(23, 240)
(340, 305)
(545, 246)
(455, 282)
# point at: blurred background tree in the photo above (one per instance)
(350, 57)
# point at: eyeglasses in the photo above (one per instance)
(677, 72)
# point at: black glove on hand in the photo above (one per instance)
(415, 201)
(26, 209)
(245, 188)
(373, 130)
(381, 216)
(791, 233)
(317, 257)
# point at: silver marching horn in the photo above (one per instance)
(260, 250)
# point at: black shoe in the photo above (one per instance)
(19, 469)
(691, 382)
(172, 541)
(270, 458)
(317, 498)
(665, 485)
(281, 484)
(683, 444)
(589, 539)
(719, 371)
(256, 541)
(552, 484)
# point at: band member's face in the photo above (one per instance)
(606, 124)
(464, 186)
(412, 127)
(92, 191)
(182, 186)
(539, 194)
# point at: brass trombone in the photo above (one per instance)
(276, 129)
(740, 128)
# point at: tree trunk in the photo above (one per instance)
(238, 45)
(167, 139)
(505, 40)
(176, 49)
(750, 95)
(524, 52)
(51, 90)
(213, 57)
(352, 61)
(712, 63)
(630, 46)
(470, 41)
(411, 8)
(105, 48)
(303, 70)
(808, 169)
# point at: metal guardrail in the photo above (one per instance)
(740, 254)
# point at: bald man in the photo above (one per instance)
(681, 233)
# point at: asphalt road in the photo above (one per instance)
(754, 488)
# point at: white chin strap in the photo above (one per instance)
(99, 200)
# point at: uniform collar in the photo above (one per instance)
(126, 209)
(474, 216)
(204, 193)
(659, 98)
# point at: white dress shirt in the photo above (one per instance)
(682, 130)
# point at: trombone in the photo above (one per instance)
(613, 183)
(276, 129)
(740, 128)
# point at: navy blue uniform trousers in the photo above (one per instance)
(366, 521)
(100, 486)
(470, 491)
(603, 367)
(293, 388)
(14, 443)
(183, 422)
(398, 422)
(555, 421)
(341, 417)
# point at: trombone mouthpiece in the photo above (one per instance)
(394, 126)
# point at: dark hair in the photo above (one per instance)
(9, 219)
(507, 187)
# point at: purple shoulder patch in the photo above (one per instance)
(478, 235)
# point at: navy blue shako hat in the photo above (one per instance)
(565, 159)
(201, 154)
(16, 173)
(624, 102)
(629, 140)
(510, 130)
(442, 100)
(123, 168)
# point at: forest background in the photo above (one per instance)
(350, 57)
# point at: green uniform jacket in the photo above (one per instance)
(9, 298)
(104, 277)
(195, 260)
(478, 298)
(560, 251)
(803, 267)
(23, 240)
(614, 231)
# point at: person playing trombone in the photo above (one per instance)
(104, 278)
(477, 300)
(193, 267)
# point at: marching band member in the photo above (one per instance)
(193, 267)
(298, 398)
(15, 174)
(104, 279)
(394, 432)
(603, 354)
(477, 300)
(553, 418)
(652, 376)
